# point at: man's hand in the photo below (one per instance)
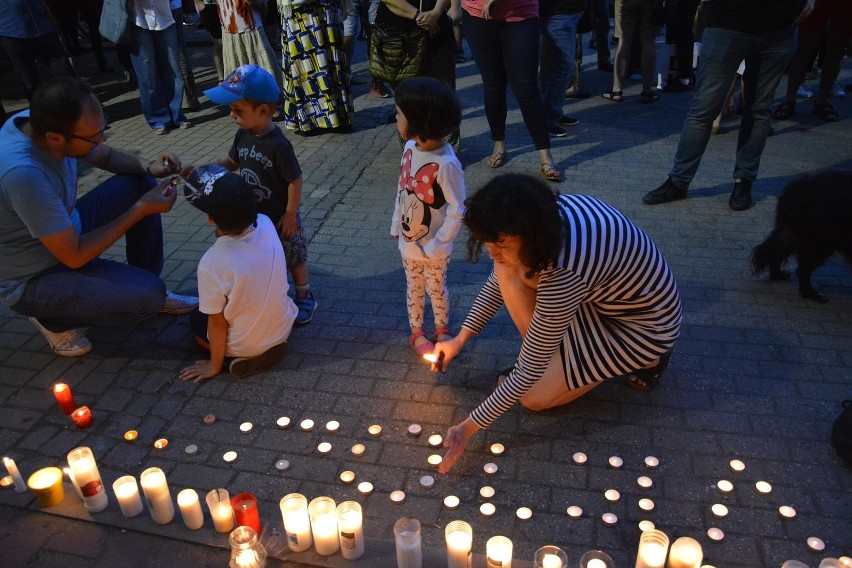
(165, 164)
(155, 200)
(456, 441)
(429, 20)
(200, 371)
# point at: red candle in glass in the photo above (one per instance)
(245, 511)
(63, 395)
(82, 417)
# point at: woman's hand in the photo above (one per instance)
(456, 441)
(446, 351)
(200, 371)
(429, 20)
(486, 8)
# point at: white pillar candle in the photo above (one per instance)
(82, 463)
(190, 509)
(459, 535)
(653, 546)
(685, 553)
(350, 527)
(498, 552)
(12, 468)
(409, 553)
(157, 494)
(219, 505)
(70, 474)
(127, 492)
(323, 515)
(297, 524)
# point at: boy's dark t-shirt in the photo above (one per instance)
(267, 162)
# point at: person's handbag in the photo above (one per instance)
(396, 54)
(115, 21)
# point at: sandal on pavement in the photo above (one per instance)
(497, 159)
(649, 379)
(826, 112)
(648, 97)
(423, 348)
(785, 110)
(442, 334)
(550, 173)
(614, 96)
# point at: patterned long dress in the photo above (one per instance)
(316, 78)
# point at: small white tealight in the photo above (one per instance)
(646, 525)
(435, 440)
(490, 468)
(615, 462)
(487, 509)
(579, 458)
(307, 424)
(719, 510)
(715, 534)
(229, 457)
(786, 512)
(324, 447)
(574, 511)
(762, 487)
(816, 544)
(397, 496)
(524, 513)
(737, 466)
(246, 427)
(451, 501)
(332, 425)
(365, 487)
(347, 476)
(191, 450)
(374, 430)
(282, 465)
(609, 518)
(486, 492)
(724, 486)
(651, 462)
(427, 481)
(497, 449)
(283, 422)
(612, 495)
(644, 481)
(434, 459)
(359, 449)
(415, 429)
(646, 504)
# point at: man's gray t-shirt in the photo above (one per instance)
(37, 198)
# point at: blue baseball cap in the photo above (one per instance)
(246, 82)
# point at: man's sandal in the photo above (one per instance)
(550, 173)
(649, 379)
(421, 348)
(614, 96)
(785, 110)
(826, 112)
(442, 334)
(496, 159)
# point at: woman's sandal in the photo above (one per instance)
(648, 379)
(550, 173)
(422, 348)
(648, 97)
(826, 112)
(442, 334)
(784, 111)
(496, 159)
(614, 96)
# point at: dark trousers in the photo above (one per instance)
(24, 53)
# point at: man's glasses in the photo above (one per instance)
(94, 140)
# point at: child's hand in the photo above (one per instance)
(286, 225)
(200, 371)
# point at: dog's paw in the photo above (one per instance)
(815, 296)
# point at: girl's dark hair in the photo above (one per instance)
(430, 107)
(516, 205)
(58, 103)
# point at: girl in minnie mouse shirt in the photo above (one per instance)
(430, 201)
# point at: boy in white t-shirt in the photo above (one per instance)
(244, 310)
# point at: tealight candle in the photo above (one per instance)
(737, 466)
(365, 487)
(574, 511)
(497, 449)
(229, 457)
(724, 486)
(646, 504)
(46, 483)
(246, 427)
(487, 509)
(715, 534)
(435, 440)
(498, 552)
(131, 435)
(219, 504)
(524, 513)
(644, 481)
(82, 463)
(646, 525)
(609, 518)
(190, 509)
(324, 447)
(63, 395)
(307, 425)
(816, 544)
(451, 501)
(459, 535)
(332, 426)
(283, 422)
(486, 491)
(82, 417)
(719, 510)
(596, 559)
(845, 561)
(550, 557)
(6, 481)
(490, 468)
(347, 476)
(245, 511)
(397, 496)
(209, 419)
(297, 523)
(615, 462)
(434, 459)
(685, 552)
(282, 465)
(161, 443)
(762, 487)
(191, 450)
(579, 458)
(323, 513)
(651, 462)
(359, 449)
(427, 481)
(127, 492)
(350, 522)
(786, 512)
(12, 468)
(612, 495)
(157, 494)
(374, 430)
(414, 429)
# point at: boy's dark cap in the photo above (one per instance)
(212, 188)
(246, 82)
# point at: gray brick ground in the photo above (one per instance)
(758, 373)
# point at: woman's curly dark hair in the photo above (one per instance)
(516, 205)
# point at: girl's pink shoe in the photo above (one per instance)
(422, 348)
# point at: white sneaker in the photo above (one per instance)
(837, 91)
(71, 343)
(804, 92)
(178, 304)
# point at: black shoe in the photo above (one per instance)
(605, 66)
(664, 194)
(567, 121)
(677, 87)
(741, 195)
(557, 132)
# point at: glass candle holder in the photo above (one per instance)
(498, 552)
(596, 559)
(297, 523)
(350, 526)
(219, 504)
(127, 492)
(550, 557)
(157, 494)
(406, 534)
(47, 485)
(653, 546)
(246, 550)
(685, 553)
(459, 535)
(81, 461)
(323, 513)
(245, 511)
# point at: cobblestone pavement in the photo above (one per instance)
(758, 374)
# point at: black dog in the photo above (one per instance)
(813, 221)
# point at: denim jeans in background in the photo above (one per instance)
(155, 59)
(103, 292)
(190, 91)
(766, 56)
(506, 53)
(560, 31)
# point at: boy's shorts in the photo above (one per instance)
(296, 245)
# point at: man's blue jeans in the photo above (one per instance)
(155, 59)
(103, 292)
(766, 56)
(560, 31)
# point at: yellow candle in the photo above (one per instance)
(47, 485)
